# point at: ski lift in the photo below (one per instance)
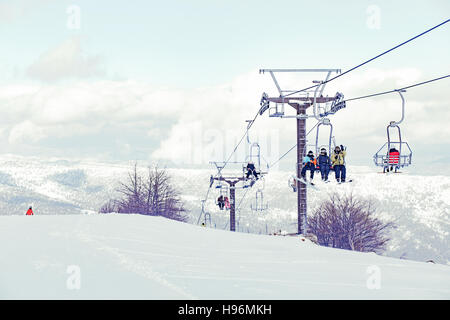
(277, 110)
(207, 219)
(251, 168)
(394, 154)
(259, 204)
(206, 215)
(264, 103)
(255, 155)
(315, 147)
(224, 196)
(327, 147)
(324, 122)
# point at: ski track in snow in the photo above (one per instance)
(138, 257)
(140, 267)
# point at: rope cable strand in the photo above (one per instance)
(371, 59)
(363, 97)
(234, 150)
(347, 100)
(240, 141)
(395, 90)
(292, 148)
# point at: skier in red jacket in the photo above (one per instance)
(394, 157)
(30, 212)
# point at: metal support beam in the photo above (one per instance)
(301, 190)
(300, 104)
(299, 70)
(290, 100)
(232, 207)
(232, 181)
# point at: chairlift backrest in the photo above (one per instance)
(259, 204)
(255, 154)
(385, 156)
(324, 122)
(390, 142)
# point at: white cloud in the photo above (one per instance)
(12, 10)
(26, 132)
(199, 125)
(66, 61)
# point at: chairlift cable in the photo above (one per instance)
(242, 199)
(367, 61)
(240, 141)
(292, 148)
(231, 155)
(395, 90)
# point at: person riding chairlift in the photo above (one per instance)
(221, 202)
(227, 203)
(251, 170)
(394, 157)
(338, 163)
(309, 163)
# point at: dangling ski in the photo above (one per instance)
(306, 182)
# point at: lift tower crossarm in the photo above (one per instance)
(305, 99)
(299, 70)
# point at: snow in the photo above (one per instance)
(419, 205)
(114, 256)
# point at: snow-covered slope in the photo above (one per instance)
(139, 257)
(419, 205)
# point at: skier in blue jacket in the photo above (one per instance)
(309, 163)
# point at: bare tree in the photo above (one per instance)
(149, 195)
(349, 223)
(110, 206)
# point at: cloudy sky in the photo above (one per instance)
(174, 81)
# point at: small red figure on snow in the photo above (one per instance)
(30, 212)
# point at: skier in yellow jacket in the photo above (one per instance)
(338, 163)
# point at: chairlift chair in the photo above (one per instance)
(277, 110)
(323, 122)
(224, 192)
(385, 157)
(258, 204)
(254, 157)
(207, 219)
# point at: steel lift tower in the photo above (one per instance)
(300, 100)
